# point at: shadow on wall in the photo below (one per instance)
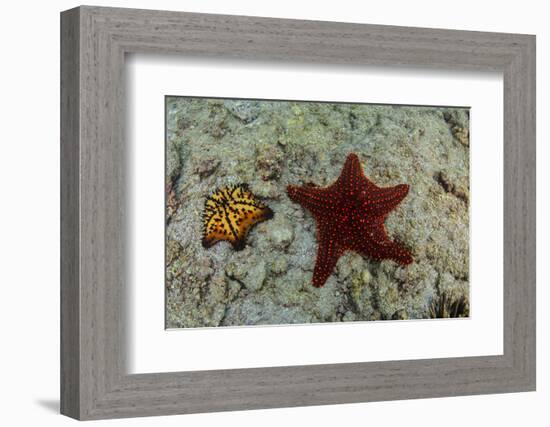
(51, 405)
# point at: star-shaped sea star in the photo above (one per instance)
(350, 215)
(230, 213)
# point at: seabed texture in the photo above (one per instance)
(268, 145)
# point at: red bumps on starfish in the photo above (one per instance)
(350, 215)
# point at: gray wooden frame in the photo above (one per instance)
(94, 382)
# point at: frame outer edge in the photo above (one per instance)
(70, 396)
(532, 127)
(87, 388)
(520, 216)
(527, 166)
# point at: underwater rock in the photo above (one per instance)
(236, 270)
(279, 265)
(280, 233)
(250, 272)
(400, 314)
(451, 298)
(173, 161)
(258, 311)
(255, 277)
(458, 120)
(456, 190)
(247, 111)
(205, 165)
(349, 264)
(204, 269)
(329, 300)
(269, 161)
(266, 190)
(386, 296)
(366, 277)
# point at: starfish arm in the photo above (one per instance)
(328, 253)
(351, 178)
(382, 201)
(376, 244)
(315, 200)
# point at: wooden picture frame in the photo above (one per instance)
(94, 382)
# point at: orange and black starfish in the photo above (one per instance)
(350, 215)
(230, 213)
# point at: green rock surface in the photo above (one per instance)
(268, 145)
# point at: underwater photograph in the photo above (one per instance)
(296, 212)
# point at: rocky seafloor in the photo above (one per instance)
(268, 145)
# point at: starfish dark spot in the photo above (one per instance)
(350, 215)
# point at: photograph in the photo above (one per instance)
(286, 212)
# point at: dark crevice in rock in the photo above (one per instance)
(449, 187)
(172, 200)
(349, 304)
(240, 282)
(222, 319)
(352, 120)
(448, 304)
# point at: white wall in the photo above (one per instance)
(29, 229)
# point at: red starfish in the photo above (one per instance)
(350, 215)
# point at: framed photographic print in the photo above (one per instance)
(323, 212)
(264, 276)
